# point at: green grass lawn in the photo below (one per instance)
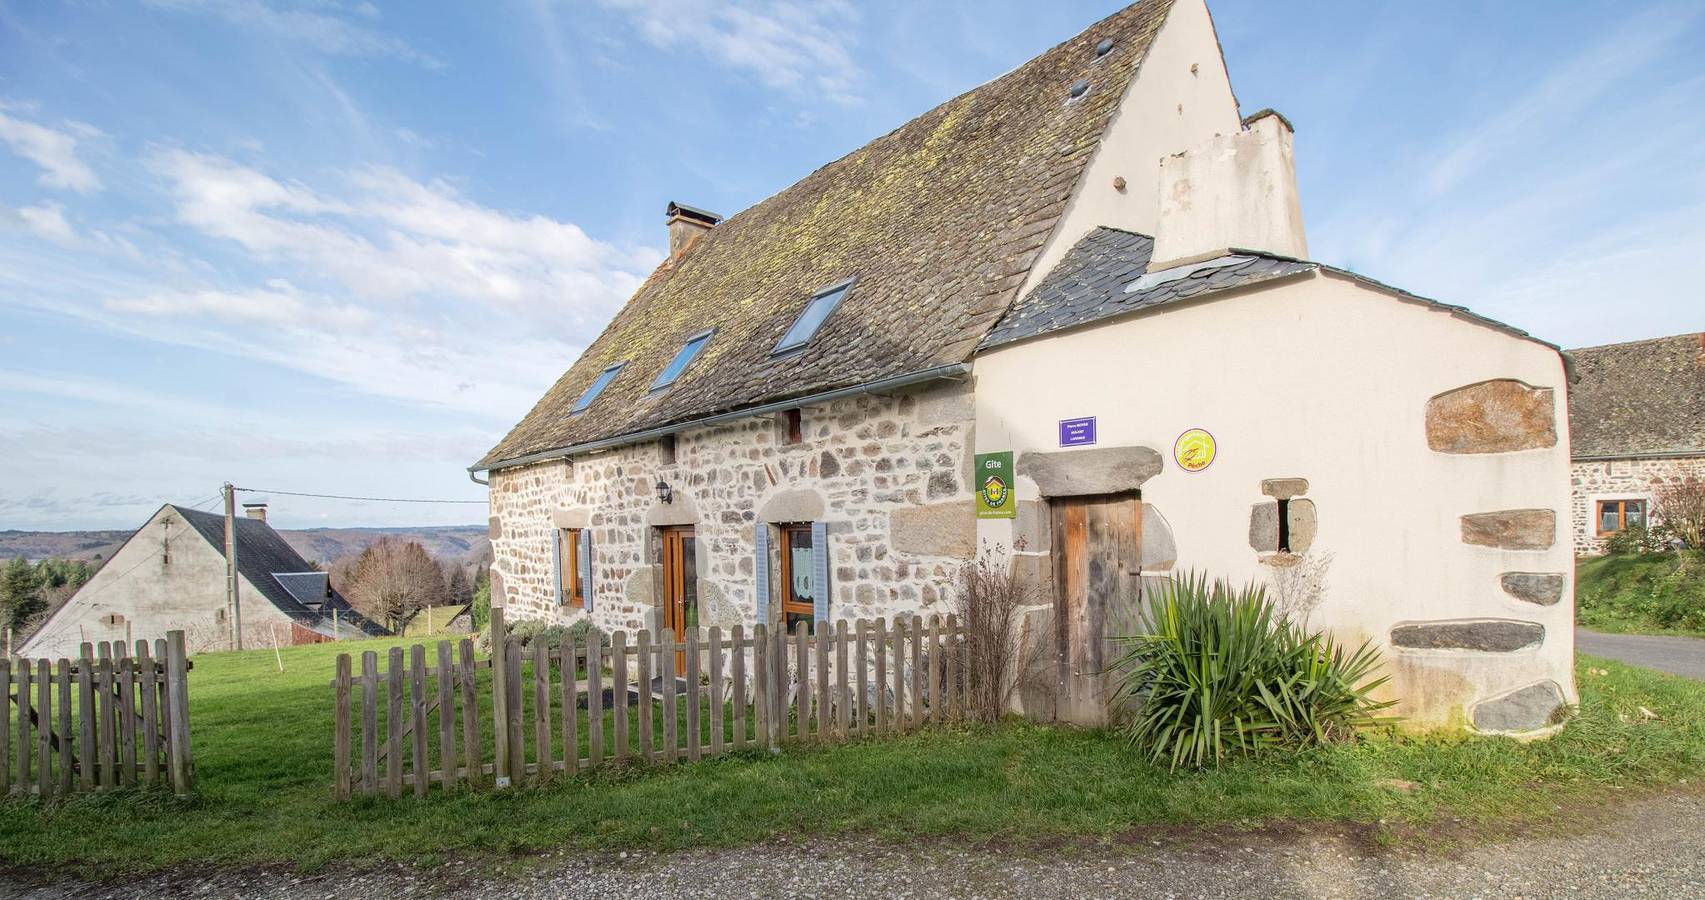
(1655, 593)
(263, 759)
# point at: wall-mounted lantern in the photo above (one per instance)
(665, 493)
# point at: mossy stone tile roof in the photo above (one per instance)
(1644, 398)
(939, 220)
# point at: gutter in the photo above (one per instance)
(953, 370)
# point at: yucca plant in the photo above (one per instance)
(1217, 671)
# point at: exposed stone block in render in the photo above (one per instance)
(1480, 635)
(1498, 416)
(1511, 529)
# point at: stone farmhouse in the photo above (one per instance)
(1636, 422)
(1068, 316)
(170, 575)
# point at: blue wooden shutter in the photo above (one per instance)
(820, 573)
(585, 573)
(556, 564)
(761, 570)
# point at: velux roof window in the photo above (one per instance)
(683, 358)
(598, 384)
(816, 313)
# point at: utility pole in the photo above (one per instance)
(233, 606)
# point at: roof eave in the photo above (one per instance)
(910, 379)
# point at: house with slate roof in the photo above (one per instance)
(170, 575)
(1636, 423)
(1069, 314)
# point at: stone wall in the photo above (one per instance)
(861, 461)
(1620, 479)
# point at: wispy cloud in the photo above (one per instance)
(320, 27)
(1577, 84)
(794, 46)
(53, 150)
(369, 278)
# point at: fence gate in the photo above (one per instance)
(111, 718)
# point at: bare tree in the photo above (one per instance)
(988, 601)
(1681, 507)
(391, 579)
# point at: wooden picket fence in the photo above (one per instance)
(575, 707)
(108, 719)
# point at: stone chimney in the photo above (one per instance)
(685, 225)
(1237, 191)
(255, 511)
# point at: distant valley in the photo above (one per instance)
(452, 543)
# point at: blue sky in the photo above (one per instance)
(341, 247)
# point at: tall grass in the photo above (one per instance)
(1219, 672)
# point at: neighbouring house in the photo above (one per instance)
(171, 575)
(1636, 422)
(1069, 314)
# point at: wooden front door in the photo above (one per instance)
(1097, 553)
(680, 587)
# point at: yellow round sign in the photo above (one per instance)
(1194, 450)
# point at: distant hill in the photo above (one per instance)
(452, 543)
(62, 544)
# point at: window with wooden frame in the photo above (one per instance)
(1616, 515)
(798, 602)
(571, 573)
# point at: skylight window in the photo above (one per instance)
(598, 384)
(683, 358)
(816, 313)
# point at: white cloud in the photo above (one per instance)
(48, 220)
(318, 28)
(53, 150)
(795, 46)
(388, 237)
(368, 278)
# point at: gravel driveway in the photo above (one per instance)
(1652, 847)
(1677, 655)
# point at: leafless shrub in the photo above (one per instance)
(988, 601)
(1298, 588)
(1681, 506)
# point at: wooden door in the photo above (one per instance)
(1097, 546)
(680, 588)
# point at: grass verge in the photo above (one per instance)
(1654, 593)
(263, 756)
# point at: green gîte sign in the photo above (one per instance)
(994, 485)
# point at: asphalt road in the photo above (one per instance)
(1650, 847)
(1677, 655)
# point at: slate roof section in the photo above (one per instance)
(263, 552)
(1644, 398)
(940, 220)
(1106, 274)
(311, 589)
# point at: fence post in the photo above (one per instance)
(340, 736)
(500, 696)
(5, 725)
(760, 685)
(177, 681)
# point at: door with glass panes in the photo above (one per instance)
(680, 588)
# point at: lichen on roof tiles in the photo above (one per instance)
(939, 219)
(1638, 398)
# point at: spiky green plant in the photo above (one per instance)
(1217, 671)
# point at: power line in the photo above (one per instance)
(344, 497)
